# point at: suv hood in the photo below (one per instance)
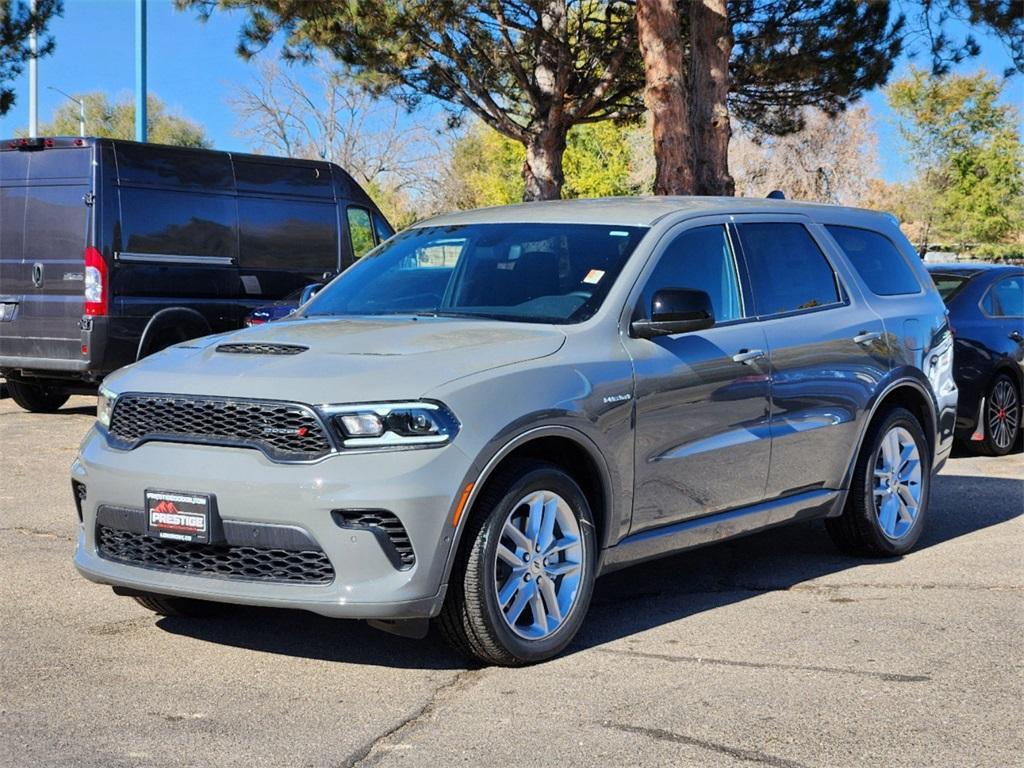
(345, 361)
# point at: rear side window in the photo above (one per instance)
(699, 259)
(1007, 297)
(788, 272)
(948, 285)
(156, 221)
(360, 230)
(876, 260)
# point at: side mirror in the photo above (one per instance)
(676, 310)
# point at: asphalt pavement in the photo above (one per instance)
(774, 650)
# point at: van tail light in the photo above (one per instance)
(97, 287)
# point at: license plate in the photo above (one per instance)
(179, 515)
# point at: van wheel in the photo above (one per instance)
(37, 399)
(886, 509)
(183, 607)
(524, 576)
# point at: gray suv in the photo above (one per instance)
(495, 407)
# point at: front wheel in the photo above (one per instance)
(885, 511)
(37, 399)
(525, 573)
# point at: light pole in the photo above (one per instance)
(33, 79)
(81, 108)
(140, 70)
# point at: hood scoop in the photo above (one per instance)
(261, 349)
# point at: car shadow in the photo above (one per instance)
(629, 601)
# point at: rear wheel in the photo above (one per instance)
(36, 398)
(525, 573)
(165, 605)
(1001, 418)
(885, 511)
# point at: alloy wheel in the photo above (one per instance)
(538, 565)
(1003, 414)
(897, 486)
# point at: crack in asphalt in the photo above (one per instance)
(368, 754)
(37, 532)
(748, 755)
(889, 677)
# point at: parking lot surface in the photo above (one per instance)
(770, 651)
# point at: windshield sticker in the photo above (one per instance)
(594, 276)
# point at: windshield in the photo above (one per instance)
(540, 273)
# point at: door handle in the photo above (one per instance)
(866, 337)
(748, 356)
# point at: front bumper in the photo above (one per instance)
(419, 486)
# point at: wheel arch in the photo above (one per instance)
(908, 393)
(563, 446)
(190, 323)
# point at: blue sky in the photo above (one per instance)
(194, 69)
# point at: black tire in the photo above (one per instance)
(165, 605)
(35, 398)
(858, 531)
(471, 619)
(1001, 385)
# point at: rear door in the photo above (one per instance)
(826, 348)
(45, 229)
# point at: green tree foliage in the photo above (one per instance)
(967, 150)
(17, 22)
(600, 161)
(530, 69)
(116, 120)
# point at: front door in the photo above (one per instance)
(702, 398)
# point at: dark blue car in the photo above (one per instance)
(283, 307)
(986, 307)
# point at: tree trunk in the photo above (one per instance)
(542, 170)
(665, 96)
(711, 45)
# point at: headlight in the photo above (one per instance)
(392, 425)
(105, 406)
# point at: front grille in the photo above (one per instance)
(387, 523)
(231, 562)
(283, 431)
(262, 349)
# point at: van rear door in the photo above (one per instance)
(45, 225)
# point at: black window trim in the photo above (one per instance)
(634, 305)
(995, 298)
(920, 288)
(841, 290)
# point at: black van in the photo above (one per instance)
(112, 250)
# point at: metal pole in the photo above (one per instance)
(33, 79)
(140, 70)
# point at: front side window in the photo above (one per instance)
(699, 259)
(1007, 297)
(360, 230)
(541, 273)
(788, 272)
(876, 260)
